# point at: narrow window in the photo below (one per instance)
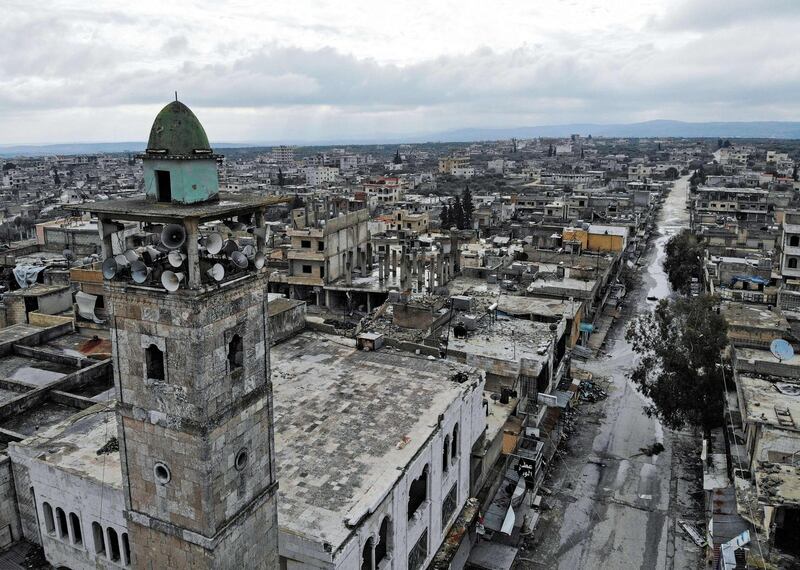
(154, 360)
(794, 241)
(445, 454)
(163, 186)
(126, 549)
(792, 262)
(49, 521)
(418, 492)
(366, 555)
(418, 554)
(382, 548)
(113, 544)
(99, 539)
(454, 451)
(61, 517)
(235, 352)
(75, 523)
(320, 246)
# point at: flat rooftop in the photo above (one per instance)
(143, 209)
(754, 316)
(506, 340)
(546, 307)
(763, 400)
(71, 445)
(33, 371)
(347, 423)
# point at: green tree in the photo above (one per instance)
(457, 214)
(680, 370)
(444, 217)
(467, 206)
(671, 173)
(683, 260)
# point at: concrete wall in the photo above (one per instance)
(191, 180)
(287, 322)
(10, 525)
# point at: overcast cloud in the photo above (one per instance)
(71, 71)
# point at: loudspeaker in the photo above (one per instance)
(176, 258)
(259, 260)
(212, 242)
(173, 236)
(139, 271)
(110, 268)
(130, 255)
(229, 247)
(217, 272)
(262, 232)
(249, 251)
(234, 226)
(150, 255)
(171, 280)
(239, 259)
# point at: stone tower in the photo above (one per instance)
(191, 361)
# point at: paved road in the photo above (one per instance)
(613, 506)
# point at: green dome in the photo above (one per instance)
(177, 132)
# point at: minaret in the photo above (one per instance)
(189, 326)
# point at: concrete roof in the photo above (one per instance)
(761, 398)
(540, 306)
(778, 483)
(754, 316)
(347, 423)
(72, 444)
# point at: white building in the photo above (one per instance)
(319, 175)
(283, 155)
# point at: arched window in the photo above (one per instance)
(794, 241)
(49, 521)
(113, 544)
(454, 451)
(418, 492)
(445, 454)
(75, 523)
(382, 548)
(126, 549)
(235, 352)
(367, 555)
(154, 361)
(61, 519)
(98, 538)
(792, 263)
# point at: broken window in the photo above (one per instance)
(154, 361)
(367, 555)
(454, 448)
(99, 538)
(163, 186)
(418, 554)
(418, 492)
(445, 454)
(449, 505)
(61, 518)
(49, 521)
(236, 352)
(113, 544)
(382, 548)
(75, 523)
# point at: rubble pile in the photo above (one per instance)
(591, 392)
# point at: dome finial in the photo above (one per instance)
(176, 95)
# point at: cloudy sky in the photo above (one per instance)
(78, 71)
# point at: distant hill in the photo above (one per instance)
(659, 128)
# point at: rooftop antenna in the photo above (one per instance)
(176, 95)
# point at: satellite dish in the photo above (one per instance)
(110, 268)
(86, 305)
(139, 271)
(171, 280)
(217, 272)
(176, 258)
(229, 247)
(781, 349)
(259, 260)
(239, 259)
(68, 255)
(130, 255)
(173, 236)
(212, 242)
(249, 251)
